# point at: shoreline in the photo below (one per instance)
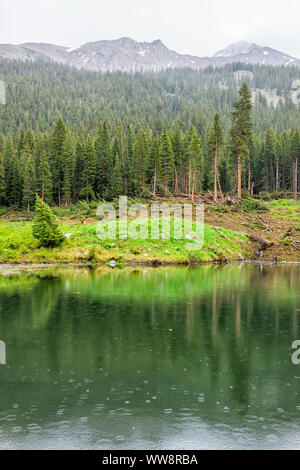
(231, 235)
(18, 268)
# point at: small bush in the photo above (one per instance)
(92, 254)
(45, 228)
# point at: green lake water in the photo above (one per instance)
(169, 358)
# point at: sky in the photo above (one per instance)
(198, 27)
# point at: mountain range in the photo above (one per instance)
(127, 55)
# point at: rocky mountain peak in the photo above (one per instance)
(126, 55)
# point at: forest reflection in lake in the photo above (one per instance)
(150, 358)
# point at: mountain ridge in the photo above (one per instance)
(127, 55)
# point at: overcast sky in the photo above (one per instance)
(199, 27)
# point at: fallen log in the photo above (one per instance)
(263, 243)
(9, 212)
(223, 234)
(152, 194)
(168, 192)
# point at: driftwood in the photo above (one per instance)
(263, 243)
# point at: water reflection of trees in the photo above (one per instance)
(220, 325)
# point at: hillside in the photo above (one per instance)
(226, 238)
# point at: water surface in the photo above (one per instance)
(150, 358)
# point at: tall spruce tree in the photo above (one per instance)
(104, 160)
(167, 160)
(69, 168)
(79, 165)
(29, 182)
(2, 180)
(44, 179)
(194, 162)
(141, 155)
(241, 132)
(154, 165)
(295, 144)
(270, 160)
(89, 169)
(57, 160)
(176, 140)
(116, 180)
(215, 143)
(12, 173)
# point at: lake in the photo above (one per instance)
(141, 358)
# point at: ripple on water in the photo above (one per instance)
(99, 406)
(251, 418)
(8, 418)
(105, 443)
(201, 398)
(185, 412)
(16, 429)
(34, 428)
(83, 397)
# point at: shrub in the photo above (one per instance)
(92, 254)
(45, 228)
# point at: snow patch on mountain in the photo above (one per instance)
(127, 55)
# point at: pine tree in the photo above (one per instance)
(167, 159)
(79, 165)
(270, 149)
(116, 181)
(141, 157)
(2, 180)
(241, 132)
(45, 228)
(215, 142)
(194, 162)
(57, 160)
(44, 179)
(154, 165)
(104, 160)
(295, 155)
(177, 150)
(69, 168)
(12, 173)
(29, 182)
(278, 161)
(29, 141)
(129, 150)
(89, 169)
